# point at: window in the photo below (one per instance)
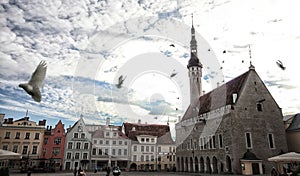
(45, 140)
(210, 142)
(7, 135)
(271, 141)
(17, 135)
(159, 158)
(152, 139)
(147, 148)
(204, 143)
(115, 134)
(259, 107)
(125, 142)
(70, 145)
(143, 139)
(113, 151)
(15, 148)
(147, 158)
(5, 147)
(134, 148)
(86, 145)
(142, 148)
(56, 151)
(94, 151)
(152, 148)
(114, 142)
(27, 135)
(78, 144)
(120, 142)
(220, 141)
(170, 149)
(82, 135)
(201, 143)
(152, 157)
(25, 148)
(214, 141)
(119, 151)
(37, 136)
(57, 141)
(159, 149)
(75, 135)
(95, 141)
(34, 150)
(100, 152)
(107, 134)
(69, 155)
(100, 142)
(142, 157)
(125, 152)
(248, 140)
(106, 151)
(134, 158)
(147, 139)
(44, 151)
(85, 155)
(107, 142)
(76, 155)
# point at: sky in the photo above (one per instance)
(89, 44)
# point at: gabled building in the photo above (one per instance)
(293, 133)
(234, 128)
(25, 137)
(152, 147)
(53, 146)
(110, 147)
(77, 147)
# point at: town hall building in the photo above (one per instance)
(232, 129)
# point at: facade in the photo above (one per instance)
(77, 147)
(110, 147)
(54, 145)
(234, 128)
(152, 147)
(25, 137)
(293, 133)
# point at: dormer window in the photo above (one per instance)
(133, 129)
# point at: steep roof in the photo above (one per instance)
(295, 125)
(194, 61)
(134, 129)
(218, 97)
(165, 139)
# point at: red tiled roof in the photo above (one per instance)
(145, 129)
(216, 98)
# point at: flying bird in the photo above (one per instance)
(224, 51)
(172, 45)
(280, 64)
(121, 80)
(173, 74)
(36, 82)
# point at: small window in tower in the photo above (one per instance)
(259, 107)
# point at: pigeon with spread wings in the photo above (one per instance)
(36, 82)
(121, 80)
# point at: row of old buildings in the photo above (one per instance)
(132, 146)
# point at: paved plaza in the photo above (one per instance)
(123, 174)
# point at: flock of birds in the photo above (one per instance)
(36, 82)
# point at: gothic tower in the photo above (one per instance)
(195, 69)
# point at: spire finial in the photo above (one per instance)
(26, 115)
(192, 20)
(250, 56)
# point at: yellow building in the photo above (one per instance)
(25, 137)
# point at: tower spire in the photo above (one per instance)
(250, 57)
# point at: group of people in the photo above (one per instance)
(79, 172)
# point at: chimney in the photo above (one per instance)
(139, 121)
(107, 121)
(1, 118)
(10, 120)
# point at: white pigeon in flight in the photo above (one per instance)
(36, 82)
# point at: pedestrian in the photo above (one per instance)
(82, 173)
(107, 171)
(75, 171)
